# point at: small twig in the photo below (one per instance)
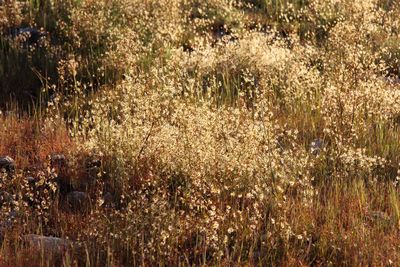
(145, 141)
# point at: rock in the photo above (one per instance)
(3, 230)
(53, 247)
(58, 161)
(7, 224)
(93, 165)
(316, 146)
(12, 216)
(31, 180)
(378, 216)
(390, 80)
(108, 200)
(9, 220)
(5, 197)
(93, 162)
(78, 201)
(221, 32)
(7, 164)
(187, 48)
(28, 35)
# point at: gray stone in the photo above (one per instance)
(59, 163)
(7, 224)
(108, 200)
(12, 216)
(30, 180)
(93, 167)
(50, 246)
(391, 80)
(28, 35)
(378, 216)
(58, 160)
(316, 146)
(6, 198)
(8, 164)
(93, 162)
(78, 201)
(9, 220)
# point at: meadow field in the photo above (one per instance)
(199, 133)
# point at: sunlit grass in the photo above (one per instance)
(209, 133)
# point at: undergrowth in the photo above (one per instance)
(255, 133)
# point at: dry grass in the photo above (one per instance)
(222, 133)
(29, 142)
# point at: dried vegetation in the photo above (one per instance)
(187, 132)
